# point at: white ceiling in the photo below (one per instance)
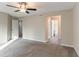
(42, 7)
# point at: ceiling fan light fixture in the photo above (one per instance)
(22, 10)
(22, 7)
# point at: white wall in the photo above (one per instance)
(76, 28)
(3, 28)
(34, 28)
(67, 28)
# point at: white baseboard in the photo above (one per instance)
(37, 40)
(40, 41)
(76, 51)
(67, 45)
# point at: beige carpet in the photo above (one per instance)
(28, 48)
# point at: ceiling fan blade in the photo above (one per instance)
(27, 12)
(33, 9)
(11, 6)
(16, 10)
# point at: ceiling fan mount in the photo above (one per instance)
(23, 7)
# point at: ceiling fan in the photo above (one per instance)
(23, 7)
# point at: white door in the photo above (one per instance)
(15, 29)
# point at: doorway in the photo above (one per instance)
(20, 29)
(16, 28)
(54, 29)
